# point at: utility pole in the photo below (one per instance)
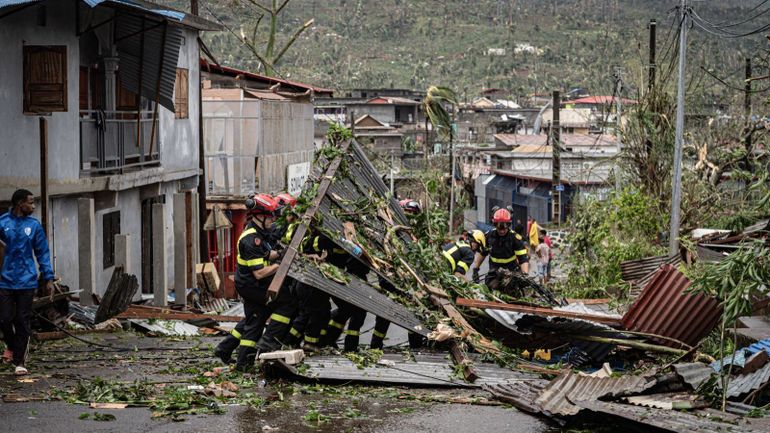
(676, 183)
(653, 66)
(618, 87)
(556, 154)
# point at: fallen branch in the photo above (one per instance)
(631, 343)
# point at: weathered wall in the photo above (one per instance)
(179, 137)
(20, 138)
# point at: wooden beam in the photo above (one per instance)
(539, 311)
(44, 173)
(293, 248)
(164, 314)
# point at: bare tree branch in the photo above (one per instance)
(293, 39)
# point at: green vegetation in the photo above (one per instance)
(413, 44)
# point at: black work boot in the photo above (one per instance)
(351, 343)
(224, 355)
(247, 357)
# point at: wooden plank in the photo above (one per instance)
(538, 311)
(299, 234)
(458, 356)
(163, 314)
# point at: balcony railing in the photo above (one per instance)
(108, 141)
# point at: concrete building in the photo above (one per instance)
(258, 135)
(100, 117)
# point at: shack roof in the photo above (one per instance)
(207, 66)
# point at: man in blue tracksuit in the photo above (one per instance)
(25, 242)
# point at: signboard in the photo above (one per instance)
(296, 175)
(559, 187)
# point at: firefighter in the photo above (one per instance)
(253, 275)
(505, 247)
(345, 311)
(300, 309)
(460, 255)
(411, 209)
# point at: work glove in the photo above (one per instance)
(475, 274)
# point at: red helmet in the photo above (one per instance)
(501, 216)
(410, 206)
(286, 199)
(261, 204)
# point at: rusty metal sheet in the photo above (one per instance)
(665, 308)
(668, 420)
(423, 369)
(694, 373)
(744, 384)
(560, 396)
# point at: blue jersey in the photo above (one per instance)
(24, 241)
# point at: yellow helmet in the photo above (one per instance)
(479, 237)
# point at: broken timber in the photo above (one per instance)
(613, 322)
(296, 240)
(137, 312)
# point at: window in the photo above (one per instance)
(110, 228)
(181, 94)
(45, 79)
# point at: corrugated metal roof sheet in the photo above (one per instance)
(694, 373)
(760, 345)
(664, 308)
(358, 293)
(560, 396)
(746, 383)
(423, 370)
(148, 57)
(552, 332)
(520, 395)
(669, 420)
(670, 401)
(632, 270)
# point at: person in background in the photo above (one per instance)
(543, 253)
(533, 231)
(26, 250)
(547, 241)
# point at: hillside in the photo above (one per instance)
(547, 44)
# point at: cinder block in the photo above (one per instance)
(290, 357)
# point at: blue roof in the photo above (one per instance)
(176, 15)
(760, 345)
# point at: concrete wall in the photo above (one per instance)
(20, 138)
(179, 137)
(382, 112)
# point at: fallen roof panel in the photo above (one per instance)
(742, 385)
(669, 420)
(694, 373)
(665, 308)
(560, 396)
(358, 293)
(393, 368)
(521, 395)
(632, 270)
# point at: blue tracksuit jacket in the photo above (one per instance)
(24, 241)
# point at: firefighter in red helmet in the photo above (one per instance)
(504, 247)
(254, 272)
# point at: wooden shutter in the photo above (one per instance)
(45, 79)
(181, 94)
(125, 100)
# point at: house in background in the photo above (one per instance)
(378, 136)
(258, 135)
(100, 117)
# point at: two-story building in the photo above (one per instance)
(100, 119)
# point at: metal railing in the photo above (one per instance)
(108, 141)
